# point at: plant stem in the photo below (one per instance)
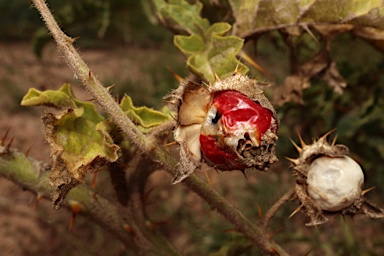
(273, 209)
(91, 83)
(148, 145)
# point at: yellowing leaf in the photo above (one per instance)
(78, 137)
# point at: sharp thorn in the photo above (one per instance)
(253, 63)
(295, 211)
(5, 136)
(324, 137)
(207, 177)
(237, 70)
(334, 140)
(259, 211)
(76, 208)
(38, 198)
(26, 154)
(367, 190)
(296, 146)
(273, 250)
(217, 78)
(9, 144)
(109, 88)
(245, 174)
(303, 145)
(293, 160)
(305, 27)
(130, 231)
(170, 144)
(175, 75)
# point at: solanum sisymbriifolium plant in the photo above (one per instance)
(222, 116)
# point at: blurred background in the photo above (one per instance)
(123, 44)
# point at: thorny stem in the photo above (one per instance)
(146, 145)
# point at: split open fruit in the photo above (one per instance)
(230, 124)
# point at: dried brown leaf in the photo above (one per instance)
(321, 64)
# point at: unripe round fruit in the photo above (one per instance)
(334, 182)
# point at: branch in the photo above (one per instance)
(146, 145)
(271, 212)
(33, 176)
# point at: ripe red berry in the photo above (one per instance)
(234, 124)
(230, 124)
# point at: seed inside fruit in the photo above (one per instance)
(234, 124)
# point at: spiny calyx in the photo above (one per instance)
(329, 182)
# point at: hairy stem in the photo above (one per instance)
(148, 145)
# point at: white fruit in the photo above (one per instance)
(334, 183)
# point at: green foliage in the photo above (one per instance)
(145, 118)
(181, 16)
(212, 53)
(208, 49)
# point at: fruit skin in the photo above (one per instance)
(224, 148)
(234, 124)
(334, 182)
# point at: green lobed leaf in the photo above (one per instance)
(254, 16)
(212, 53)
(181, 16)
(146, 118)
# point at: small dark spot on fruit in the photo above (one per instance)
(216, 118)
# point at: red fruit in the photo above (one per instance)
(234, 125)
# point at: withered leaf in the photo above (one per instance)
(78, 137)
(321, 64)
(255, 16)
